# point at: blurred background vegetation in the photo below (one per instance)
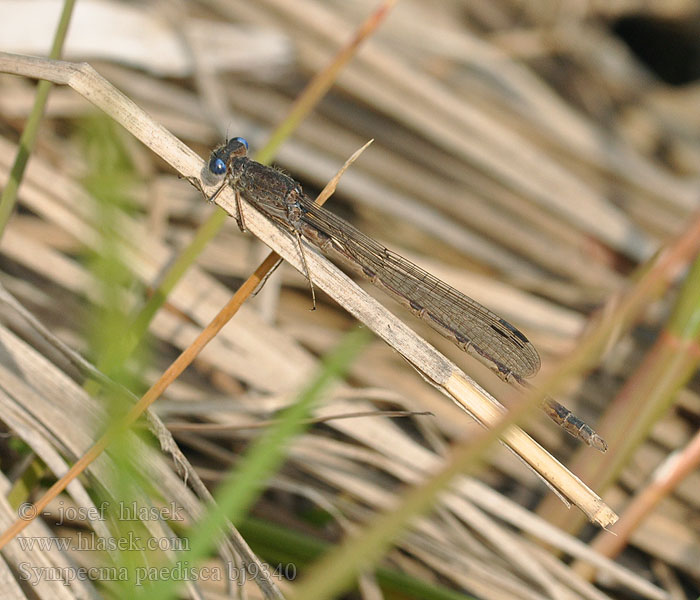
(534, 155)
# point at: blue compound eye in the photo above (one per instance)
(241, 140)
(217, 166)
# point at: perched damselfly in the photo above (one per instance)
(472, 327)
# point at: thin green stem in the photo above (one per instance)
(307, 100)
(27, 140)
(265, 456)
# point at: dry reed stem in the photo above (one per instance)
(425, 359)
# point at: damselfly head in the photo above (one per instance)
(234, 148)
(237, 146)
(217, 166)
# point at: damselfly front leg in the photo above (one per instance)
(270, 191)
(221, 164)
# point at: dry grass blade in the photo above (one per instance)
(327, 191)
(431, 364)
(439, 371)
(168, 377)
(56, 416)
